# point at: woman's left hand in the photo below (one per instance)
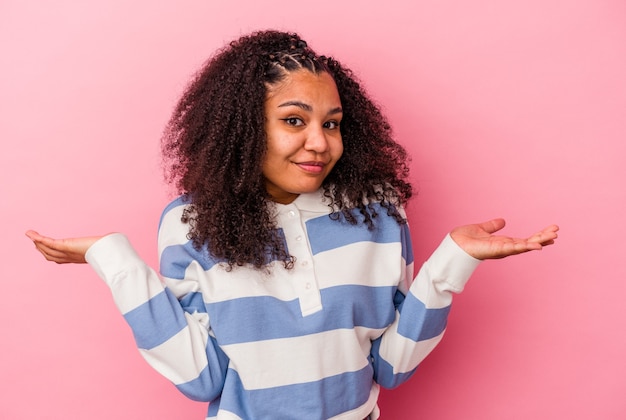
(479, 240)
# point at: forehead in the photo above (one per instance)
(305, 86)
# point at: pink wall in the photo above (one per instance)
(513, 109)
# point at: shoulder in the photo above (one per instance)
(172, 230)
(177, 205)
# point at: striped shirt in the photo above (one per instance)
(312, 342)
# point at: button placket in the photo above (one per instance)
(304, 279)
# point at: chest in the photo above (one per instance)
(344, 277)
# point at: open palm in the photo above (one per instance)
(62, 251)
(479, 240)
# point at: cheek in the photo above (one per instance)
(285, 147)
(279, 149)
(338, 150)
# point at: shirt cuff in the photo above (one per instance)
(110, 255)
(451, 265)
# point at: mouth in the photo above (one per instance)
(311, 167)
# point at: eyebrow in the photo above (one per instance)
(308, 107)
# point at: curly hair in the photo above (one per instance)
(215, 143)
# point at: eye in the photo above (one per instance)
(332, 125)
(293, 121)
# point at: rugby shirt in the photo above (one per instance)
(312, 342)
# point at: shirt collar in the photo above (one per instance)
(314, 202)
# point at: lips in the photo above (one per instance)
(312, 167)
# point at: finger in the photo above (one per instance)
(523, 245)
(514, 248)
(57, 259)
(50, 247)
(37, 238)
(47, 252)
(546, 235)
(32, 235)
(551, 231)
(57, 256)
(54, 246)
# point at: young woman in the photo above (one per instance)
(286, 286)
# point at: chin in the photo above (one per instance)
(310, 189)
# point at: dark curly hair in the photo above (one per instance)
(215, 143)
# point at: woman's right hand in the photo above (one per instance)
(62, 251)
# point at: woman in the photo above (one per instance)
(286, 286)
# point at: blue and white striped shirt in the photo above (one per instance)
(312, 342)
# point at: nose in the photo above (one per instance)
(316, 140)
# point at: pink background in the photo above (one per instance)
(513, 109)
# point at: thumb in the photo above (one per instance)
(493, 225)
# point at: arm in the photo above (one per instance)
(421, 317)
(172, 338)
(175, 341)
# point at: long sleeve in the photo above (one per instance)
(173, 340)
(421, 314)
(315, 341)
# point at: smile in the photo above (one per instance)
(312, 167)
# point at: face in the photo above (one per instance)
(302, 116)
